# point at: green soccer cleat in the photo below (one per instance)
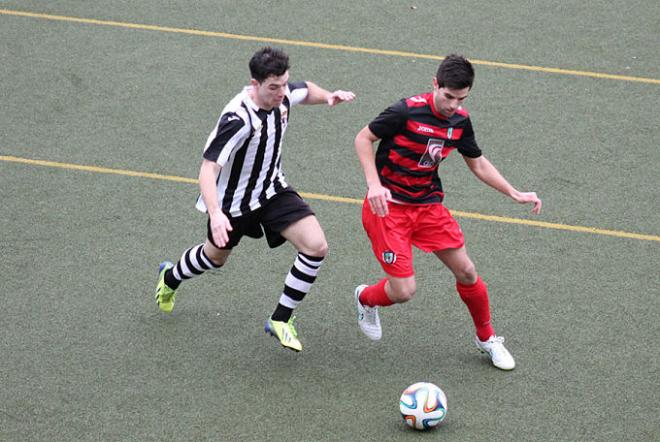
(285, 332)
(164, 295)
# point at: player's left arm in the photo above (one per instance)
(317, 95)
(486, 172)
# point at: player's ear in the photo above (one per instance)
(253, 82)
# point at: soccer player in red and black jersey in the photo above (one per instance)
(403, 206)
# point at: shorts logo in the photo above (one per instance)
(389, 257)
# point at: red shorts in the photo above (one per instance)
(428, 227)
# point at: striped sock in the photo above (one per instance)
(297, 284)
(193, 262)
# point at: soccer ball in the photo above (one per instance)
(423, 405)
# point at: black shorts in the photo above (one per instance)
(277, 214)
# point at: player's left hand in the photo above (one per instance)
(528, 197)
(339, 97)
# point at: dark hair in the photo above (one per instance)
(268, 62)
(455, 72)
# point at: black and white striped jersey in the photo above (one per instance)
(247, 144)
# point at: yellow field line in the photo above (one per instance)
(338, 199)
(281, 41)
(96, 169)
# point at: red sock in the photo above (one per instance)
(476, 298)
(375, 295)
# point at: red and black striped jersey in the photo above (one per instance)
(411, 133)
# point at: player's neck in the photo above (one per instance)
(255, 99)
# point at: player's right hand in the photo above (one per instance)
(378, 196)
(220, 228)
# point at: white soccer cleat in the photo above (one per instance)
(368, 319)
(500, 356)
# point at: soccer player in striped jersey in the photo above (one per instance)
(403, 206)
(244, 190)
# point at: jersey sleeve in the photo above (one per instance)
(467, 144)
(228, 135)
(298, 92)
(390, 121)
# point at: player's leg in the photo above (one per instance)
(389, 290)
(470, 287)
(193, 262)
(474, 293)
(308, 238)
(390, 242)
(289, 218)
(437, 231)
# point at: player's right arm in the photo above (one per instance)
(377, 195)
(385, 125)
(220, 225)
(229, 134)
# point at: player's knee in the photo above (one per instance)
(218, 260)
(318, 248)
(404, 293)
(217, 256)
(322, 249)
(466, 274)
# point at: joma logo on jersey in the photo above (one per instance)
(425, 130)
(389, 257)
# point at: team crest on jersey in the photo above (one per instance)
(434, 154)
(389, 257)
(284, 116)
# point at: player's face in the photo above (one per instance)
(447, 100)
(270, 93)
